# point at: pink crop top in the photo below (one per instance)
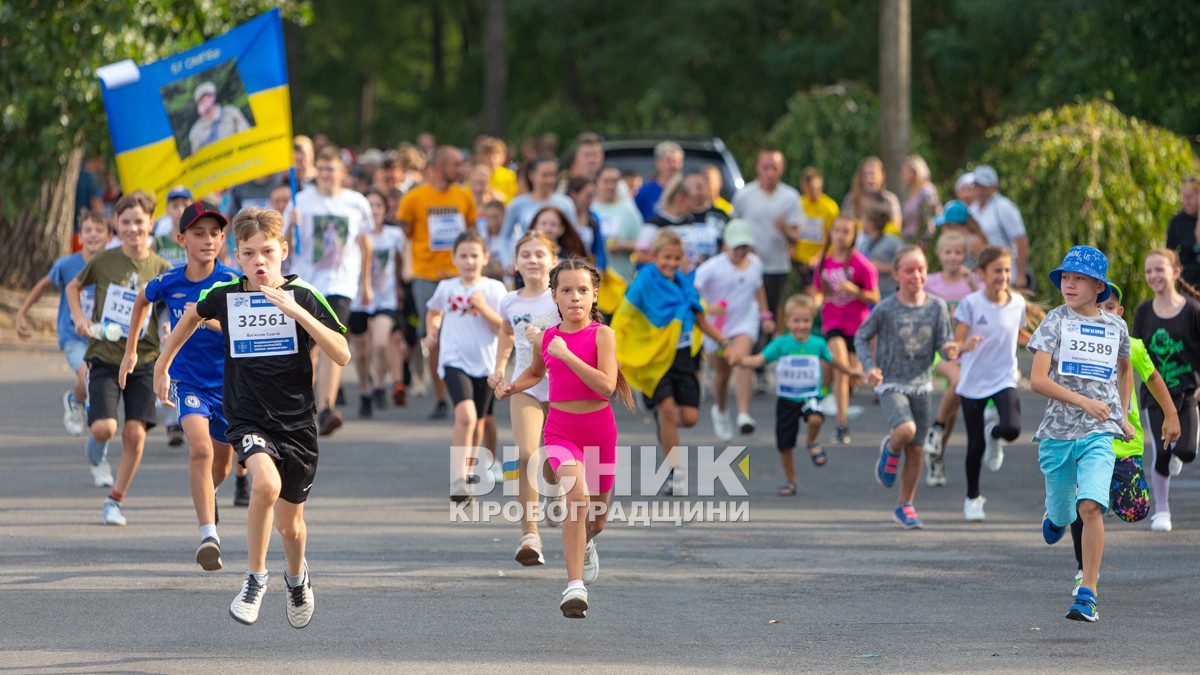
(565, 385)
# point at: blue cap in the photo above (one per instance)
(179, 192)
(1089, 262)
(954, 212)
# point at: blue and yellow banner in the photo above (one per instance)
(652, 316)
(209, 118)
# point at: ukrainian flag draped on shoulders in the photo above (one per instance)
(656, 311)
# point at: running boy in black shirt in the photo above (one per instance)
(270, 323)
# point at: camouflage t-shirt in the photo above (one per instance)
(1084, 351)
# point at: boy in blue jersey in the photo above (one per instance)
(94, 235)
(196, 388)
(270, 323)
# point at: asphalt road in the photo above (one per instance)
(823, 581)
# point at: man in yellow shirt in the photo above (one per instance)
(432, 215)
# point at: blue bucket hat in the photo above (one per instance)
(954, 212)
(1087, 261)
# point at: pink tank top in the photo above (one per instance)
(565, 385)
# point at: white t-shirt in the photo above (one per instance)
(385, 248)
(716, 280)
(992, 365)
(164, 242)
(760, 209)
(1000, 220)
(539, 312)
(466, 341)
(329, 256)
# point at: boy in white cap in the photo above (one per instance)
(1001, 221)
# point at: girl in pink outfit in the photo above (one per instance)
(580, 357)
(847, 285)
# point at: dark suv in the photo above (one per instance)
(637, 153)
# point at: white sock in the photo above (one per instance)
(261, 576)
(578, 583)
(295, 581)
(209, 530)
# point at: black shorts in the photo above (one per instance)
(462, 387)
(679, 383)
(848, 339)
(788, 415)
(340, 305)
(294, 452)
(774, 285)
(104, 394)
(360, 322)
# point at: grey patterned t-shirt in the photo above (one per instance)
(908, 338)
(1063, 421)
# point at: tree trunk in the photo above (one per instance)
(367, 119)
(436, 56)
(895, 88)
(495, 64)
(569, 63)
(35, 240)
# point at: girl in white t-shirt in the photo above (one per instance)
(731, 284)
(989, 327)
(952, 284)
(467, 307)
(371, 323)
(524, 315)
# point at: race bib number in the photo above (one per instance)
(798, 377)
(444, 228)
(258, 328)
(812, 229)
(1088, 351)
(118, 308)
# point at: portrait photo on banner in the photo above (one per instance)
(207, 107)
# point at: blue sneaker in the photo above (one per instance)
(1051, 532)
(885, 468)
(1084, 608)
(906, 515)
(112, 513)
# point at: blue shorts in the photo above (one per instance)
(207, 403)
(74, 350)
(1074, 471)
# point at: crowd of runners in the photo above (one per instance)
(476, 277)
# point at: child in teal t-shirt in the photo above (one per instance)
(1128, 496)
(801, 374)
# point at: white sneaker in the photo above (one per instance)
(993, 451)
(574, 603)
(679, 483)
(300, 603)
(529, 551)
(1176, 465)
(102, 475)
(721, 427)
(991, 415)
(244, 608)
(745, 424)
(591, 563)
(497, 470)
(558, 512)
(935, 474)
(1160, 522)
(73, 415)
(112, 514)
(973, 509)
(1078, 583)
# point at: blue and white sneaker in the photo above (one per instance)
(1085, 607)
(906, 515)
(885, 468)
(1051, 532)
(112, 513)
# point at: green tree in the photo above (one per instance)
(49, 53)
(1086, 174)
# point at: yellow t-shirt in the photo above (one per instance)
(824, 210)
(724, 205)
(436, 219)
(504, 181)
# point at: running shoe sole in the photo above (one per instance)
(208, 556)
(574, 608)
(530, 557)
(1079, 615)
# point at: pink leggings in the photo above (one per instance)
(567, 435)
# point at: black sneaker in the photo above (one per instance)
(208, 556)
(329, 421)
(341, 397)
(364, 407)
(380, 395)
(440, 411)
(842, 434)
(175, 436)
(241, 495)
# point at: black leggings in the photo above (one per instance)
(1009, 407)
(1189, 427)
